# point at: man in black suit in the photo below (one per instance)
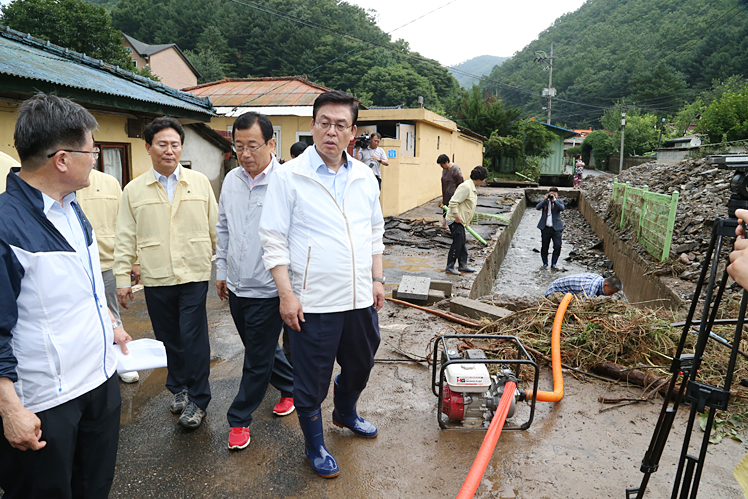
(551, 226)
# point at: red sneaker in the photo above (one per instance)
(284, 407)
(238, 437)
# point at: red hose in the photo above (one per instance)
(489, 443)
(494, 430)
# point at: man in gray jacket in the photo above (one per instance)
(550, 226)
(242, 279)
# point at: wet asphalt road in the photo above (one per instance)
(159, 459)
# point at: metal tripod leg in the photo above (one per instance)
(686, 366)
(702, 396)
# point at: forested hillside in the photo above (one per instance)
(654, 55)
(335, 44)
(467, 73)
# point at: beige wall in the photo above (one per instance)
(112, 128)
(172, 69)
(140, 63)
(204, 157)
(411, 181)
(469, 151)
(407, 182)
(7, 125)
(289, 126)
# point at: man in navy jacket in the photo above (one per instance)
(550, 226)
(59, 395)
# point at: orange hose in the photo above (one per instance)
(558, 377)
(489, 443)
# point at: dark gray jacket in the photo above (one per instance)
(557, 206)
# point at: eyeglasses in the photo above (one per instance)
(249, 149)
(323, 125)
(94, 153)
(163, 145)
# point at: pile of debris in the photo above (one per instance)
(703, 195)
(415, 232)
(588, 248)
(600, 333)
(425, 234)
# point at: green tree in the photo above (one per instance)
(641, 132)
(726, 119)
(687, 116)
(73, 24)
(333, 43)
(398, 84)
(527, 142)
(486, 114)
(207, 64)
(599, 143)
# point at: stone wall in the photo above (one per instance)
(640, 289)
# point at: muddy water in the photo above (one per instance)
(521, 273)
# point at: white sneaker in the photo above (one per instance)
(131, 377)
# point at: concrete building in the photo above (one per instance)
(413, 139)
(121, 102)
(166, 61)
(676, 150)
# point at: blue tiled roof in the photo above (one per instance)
(24, 56)
(569, 133)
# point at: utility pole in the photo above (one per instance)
(623, 129)
(550, 92)
(662, 127)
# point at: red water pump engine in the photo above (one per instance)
(470, 393)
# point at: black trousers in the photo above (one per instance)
(546, 235)
(351, 337)
(82, 436)
(180, 321)
(259, 324)
(458, 251)
(287, 343)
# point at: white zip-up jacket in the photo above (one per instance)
(238, 250)
(56, 338)
(328, 247)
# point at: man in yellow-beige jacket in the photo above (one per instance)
(100, 203)
(461, 210)
(167, 220)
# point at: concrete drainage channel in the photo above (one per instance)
(629, 266)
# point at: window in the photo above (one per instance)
(277, 137)
(305, 137)
(115, 161)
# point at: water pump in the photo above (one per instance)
(471, 395)
(468, 393)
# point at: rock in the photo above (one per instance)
(684, 258)
(685, 248)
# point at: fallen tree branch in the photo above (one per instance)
(633, 376)
(444, 315)
(618, 400)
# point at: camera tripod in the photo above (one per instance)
(700, 396)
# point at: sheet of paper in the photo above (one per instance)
(144, 354)
(741, 475)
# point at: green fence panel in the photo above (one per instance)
(650, 215)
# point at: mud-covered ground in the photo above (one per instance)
(572, 449)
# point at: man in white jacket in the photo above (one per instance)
(59, 396)
(243, 280)
(321, 232)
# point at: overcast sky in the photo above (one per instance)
(464, 29)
